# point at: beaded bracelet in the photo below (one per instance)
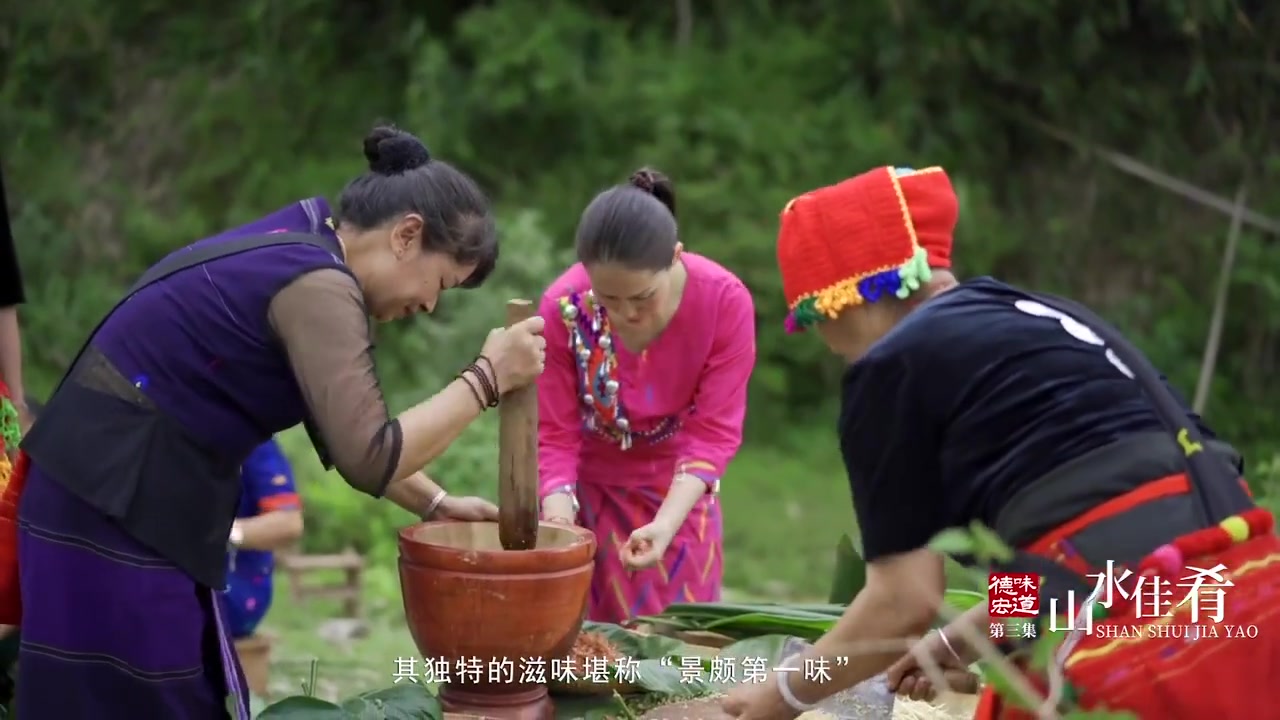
(497, 391)
(474, 392)
(480, 377)
(489, 387)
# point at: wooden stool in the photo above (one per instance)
(255, 660)
(296, 566)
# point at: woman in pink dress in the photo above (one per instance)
(649, 350)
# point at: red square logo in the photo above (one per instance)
(1013, 595)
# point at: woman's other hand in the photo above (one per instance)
(474, 509)
(908, 678)
(518, 353)
(646, 546)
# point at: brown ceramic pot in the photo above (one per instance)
(476, 605)
(255, 659)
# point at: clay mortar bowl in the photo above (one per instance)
(466, 597)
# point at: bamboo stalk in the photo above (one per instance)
(1214, 342)
(1177, 186)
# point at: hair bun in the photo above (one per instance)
(391, 151)
(643, 179)
(656, 184)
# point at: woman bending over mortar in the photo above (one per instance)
(115, 526)
(979, 401)
(642, 403)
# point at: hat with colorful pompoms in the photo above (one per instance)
(873, 235)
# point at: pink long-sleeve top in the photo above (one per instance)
(610, 416)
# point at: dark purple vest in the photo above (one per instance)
(181, 381)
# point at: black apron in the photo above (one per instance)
(1213, 470)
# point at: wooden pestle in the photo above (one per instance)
(518, 455)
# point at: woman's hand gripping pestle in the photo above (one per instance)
(518, 353)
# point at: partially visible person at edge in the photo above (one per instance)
(14, 413)
(269, 519)
(981, 401)
(118, 547)
(12, 294)
(642, 403)
(10, 638)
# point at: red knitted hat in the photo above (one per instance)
(874, 234)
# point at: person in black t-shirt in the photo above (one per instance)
(11, 296)
(977, 401)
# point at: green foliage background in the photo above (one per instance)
(133, 128)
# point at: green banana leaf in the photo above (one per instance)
(301, 707)
(850, 573)
(409, 701)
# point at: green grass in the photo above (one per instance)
(365, 663)
(784, 513)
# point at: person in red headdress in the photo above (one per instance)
(981, 402)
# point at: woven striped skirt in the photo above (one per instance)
(110, 628)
